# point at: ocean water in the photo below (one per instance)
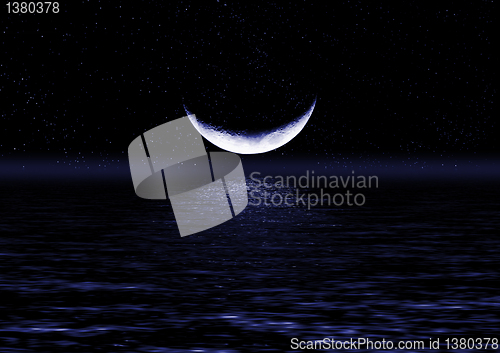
(87, 266)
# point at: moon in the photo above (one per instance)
(244, 143)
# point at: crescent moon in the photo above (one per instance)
(242, 143)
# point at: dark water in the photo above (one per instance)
(89, 267)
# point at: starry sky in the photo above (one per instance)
(394, 79)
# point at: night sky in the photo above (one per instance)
(403, 80)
